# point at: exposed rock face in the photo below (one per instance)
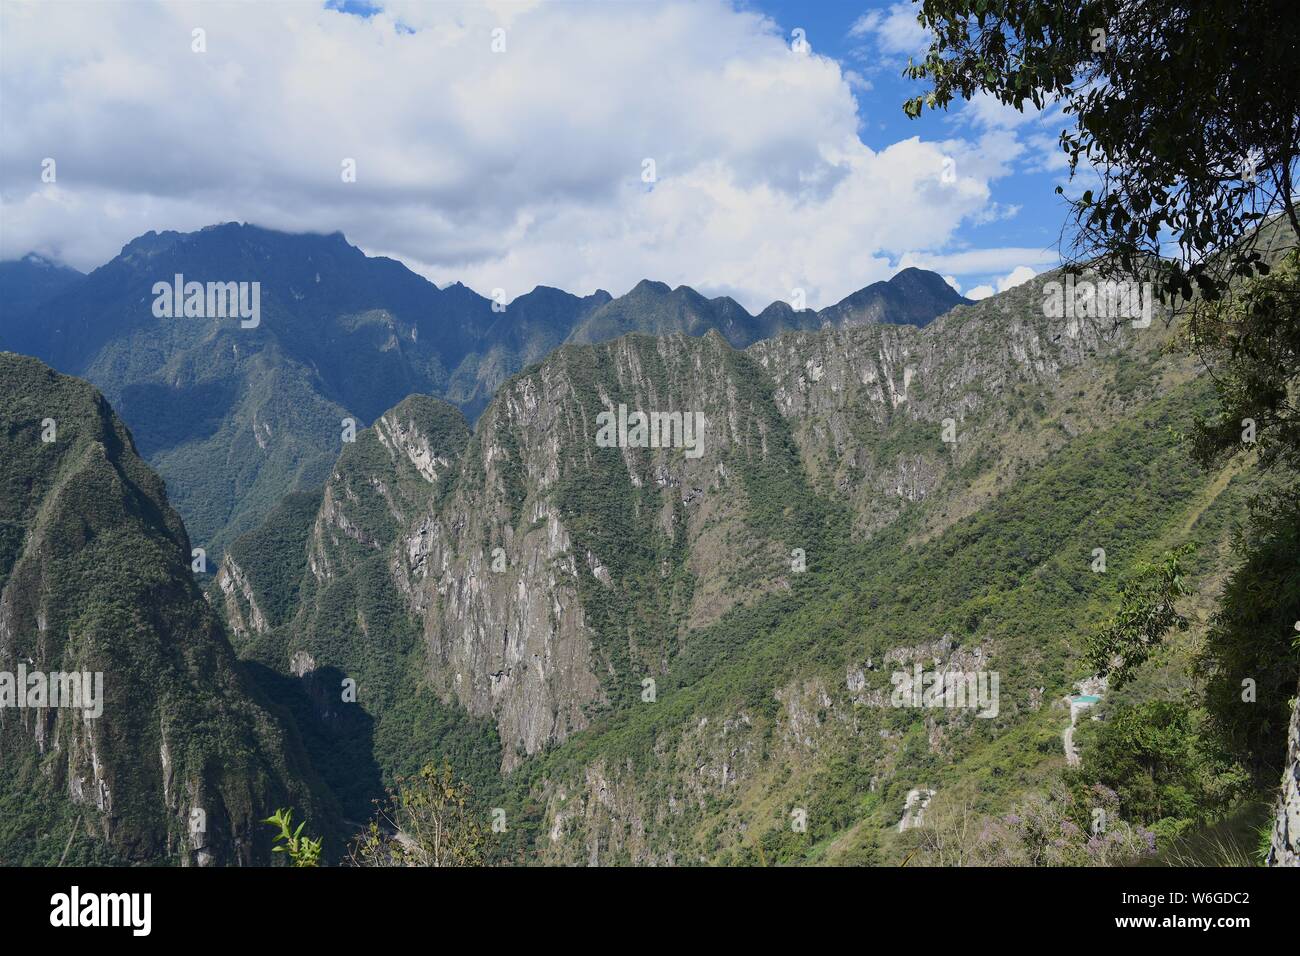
(182, 760)
(526, 553)
(240, 604)
(914, 807)
(1285, 847)
(382, 480)
(504, 585)
(868, 405)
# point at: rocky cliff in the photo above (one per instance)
(550, 576)
(1284, 848)
(180, 757)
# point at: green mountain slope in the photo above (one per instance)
(946, 488)
(186, 757)
(787, 706)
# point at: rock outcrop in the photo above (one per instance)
(1284, 849)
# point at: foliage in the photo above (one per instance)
(303, 851)
(1191, 133)
(429, 820)
(1146, 613)
(1253, 340)
(1249, 661)
(1155, 757)
(1059, 828)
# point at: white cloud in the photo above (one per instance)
(499, 169)
(895, 30)
(1017, 276)
(981, 262)
(986, 110)
(1033, 134)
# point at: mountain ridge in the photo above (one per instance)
(235, 418)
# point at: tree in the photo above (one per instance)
(1253, 341)
(1192, 133)
(1152, 756)
(428, 821)
(1146, 613)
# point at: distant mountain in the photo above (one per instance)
(652, 308)
(184, 756)
(913, 297)
(235, 418)
(27, 282)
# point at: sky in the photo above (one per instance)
(751, 148)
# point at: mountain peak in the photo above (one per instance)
(912, 297)
(912, 278)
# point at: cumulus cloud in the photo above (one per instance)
(501, 169)
(894, 30)
(1017, 276)
(983, 261)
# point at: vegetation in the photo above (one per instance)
(303, 851)
(100, 582)
(430, 819)
(1146, 613)
(1191, 135)
(1166, 773)
(1195, 153)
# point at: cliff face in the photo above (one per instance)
(550, 576)
(182, 758)
(239, 603)
(555, 575)
(882, 413)
(1285, 846)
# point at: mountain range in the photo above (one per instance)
(234, 418)
(761, 594)
(632, 653)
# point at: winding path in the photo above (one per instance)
(1076, 703)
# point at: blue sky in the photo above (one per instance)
(506, 144)
(870, 39)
